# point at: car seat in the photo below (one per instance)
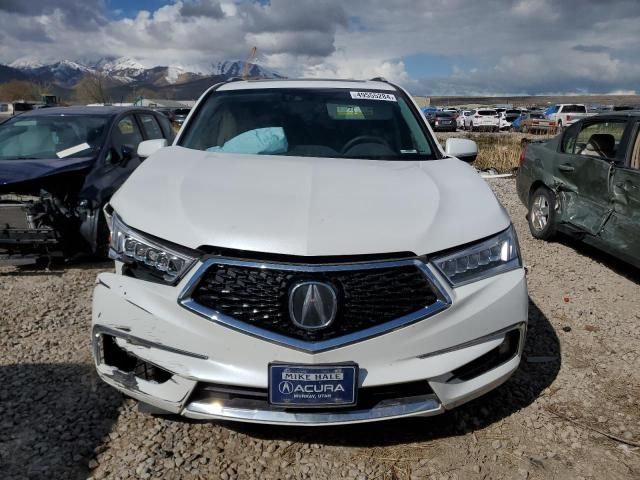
(600, 145)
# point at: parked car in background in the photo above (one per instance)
(234, 297)
(485, 119)
(507, 117)
(9, 109)
(58, 168)
(179, 115)
(464, 119)
(444, 121)
(586, 183)
(566, 114)
(533, 122)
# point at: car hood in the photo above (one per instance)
(16, 171)
(308, 206)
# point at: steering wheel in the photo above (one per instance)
(362, 139)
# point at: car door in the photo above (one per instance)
(622, 231)
(583, 170)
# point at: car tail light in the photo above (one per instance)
(523, 154)
(568, 118)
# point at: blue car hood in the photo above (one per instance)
(16, 171)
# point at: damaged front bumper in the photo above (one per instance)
(151, 348)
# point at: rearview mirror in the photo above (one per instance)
(461, 148)
(149, 147)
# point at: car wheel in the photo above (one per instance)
(471, 127)
(542, 214)
(559, 127)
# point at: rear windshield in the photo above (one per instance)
(487, 112)
(444, 114)
(574, 109)
(536, 115)
(512, 112)
(336, 123)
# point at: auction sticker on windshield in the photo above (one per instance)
(313, 386)
(387, 97)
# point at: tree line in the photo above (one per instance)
(91, 88)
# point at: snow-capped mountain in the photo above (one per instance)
(65, 73)
(233, 68)
(127, 70)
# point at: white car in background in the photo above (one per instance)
(484, 119)
(306, 253)
(566, 114)
(464, 119)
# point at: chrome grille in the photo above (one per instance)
(373, 298)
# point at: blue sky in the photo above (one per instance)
(129, 8)
(448, 47)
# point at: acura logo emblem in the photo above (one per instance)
(312, 305)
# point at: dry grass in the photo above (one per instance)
(499, 151)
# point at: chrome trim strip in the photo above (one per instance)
(426, 405)
(99, 330)
(442, 303)
(522, 326)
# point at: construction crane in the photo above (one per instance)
(247, 63)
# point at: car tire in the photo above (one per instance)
(471, 128)
(542, 214)
(559, 127)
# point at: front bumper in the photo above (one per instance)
(146, 321)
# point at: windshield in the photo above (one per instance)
(45, 137)
(336, 123)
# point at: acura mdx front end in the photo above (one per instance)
(309, 263)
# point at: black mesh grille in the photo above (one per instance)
(366, 297)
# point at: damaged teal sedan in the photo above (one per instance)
(586, 183)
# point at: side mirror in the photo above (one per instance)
(465, 150)
(149, 147)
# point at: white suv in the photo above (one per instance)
(484, 119)
(306, 253)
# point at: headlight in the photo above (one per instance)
(150, 257)
(489, 257)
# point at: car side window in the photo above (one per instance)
(600, 139)
(127, 132)
(151, 127)
(569, 139)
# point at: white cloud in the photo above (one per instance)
(527, 46)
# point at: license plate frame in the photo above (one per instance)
(323, 392)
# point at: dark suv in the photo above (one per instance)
(58, 168)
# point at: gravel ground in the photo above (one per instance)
(571, 410)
